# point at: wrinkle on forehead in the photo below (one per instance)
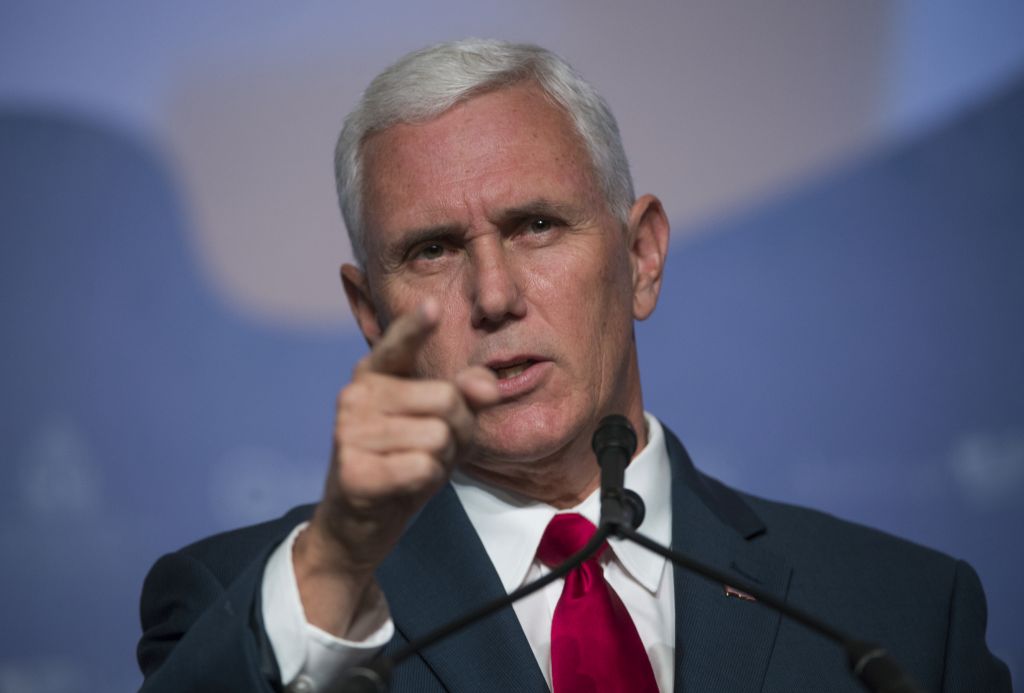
(497, 149)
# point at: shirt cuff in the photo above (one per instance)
(309, 658)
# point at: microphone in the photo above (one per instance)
(614, 443)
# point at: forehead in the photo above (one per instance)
(501, 147)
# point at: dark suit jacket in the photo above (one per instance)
(202, 631)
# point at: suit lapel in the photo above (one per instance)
(722, 643)
(439, 571)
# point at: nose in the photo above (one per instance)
(495, 290)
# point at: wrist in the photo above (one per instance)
(333, 592)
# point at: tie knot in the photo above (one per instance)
(565, 535)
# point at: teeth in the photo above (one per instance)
(511, 371)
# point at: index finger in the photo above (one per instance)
(395, 353)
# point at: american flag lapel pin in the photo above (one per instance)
(731, 591)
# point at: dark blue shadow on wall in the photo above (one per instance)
(858, 346)
(138, 413)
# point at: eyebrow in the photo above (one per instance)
(395, 251)
(539, 207)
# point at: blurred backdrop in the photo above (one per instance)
(841, 325)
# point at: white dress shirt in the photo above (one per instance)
(510, 528)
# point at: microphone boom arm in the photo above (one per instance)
(374, 677)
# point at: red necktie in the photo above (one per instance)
(594, 645)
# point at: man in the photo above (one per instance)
(503, 258)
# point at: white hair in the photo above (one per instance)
(426, 83)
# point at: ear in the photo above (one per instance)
(359, 300)
(648, 237)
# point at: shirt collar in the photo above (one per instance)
(510, 526)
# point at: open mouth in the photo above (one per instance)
(512, 369)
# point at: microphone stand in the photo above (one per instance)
(622, 511)
(870, 663)
(374, 677)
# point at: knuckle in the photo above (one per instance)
(422, 470)
(352, 395)
(362, 365)
(383, 431)
(358, 478)
(352, 459)
(450, 399)
(436, 436)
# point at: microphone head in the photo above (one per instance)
(614, 430)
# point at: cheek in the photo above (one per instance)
(447, 350)
(584, 296)
(436, 359)
(563, 274)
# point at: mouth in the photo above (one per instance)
(511, 369)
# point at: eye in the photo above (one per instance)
(539, 225)
(430, 251)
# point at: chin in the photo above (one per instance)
(525, 436)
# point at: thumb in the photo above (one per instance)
(479, 385)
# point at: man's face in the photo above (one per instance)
(492, 209)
